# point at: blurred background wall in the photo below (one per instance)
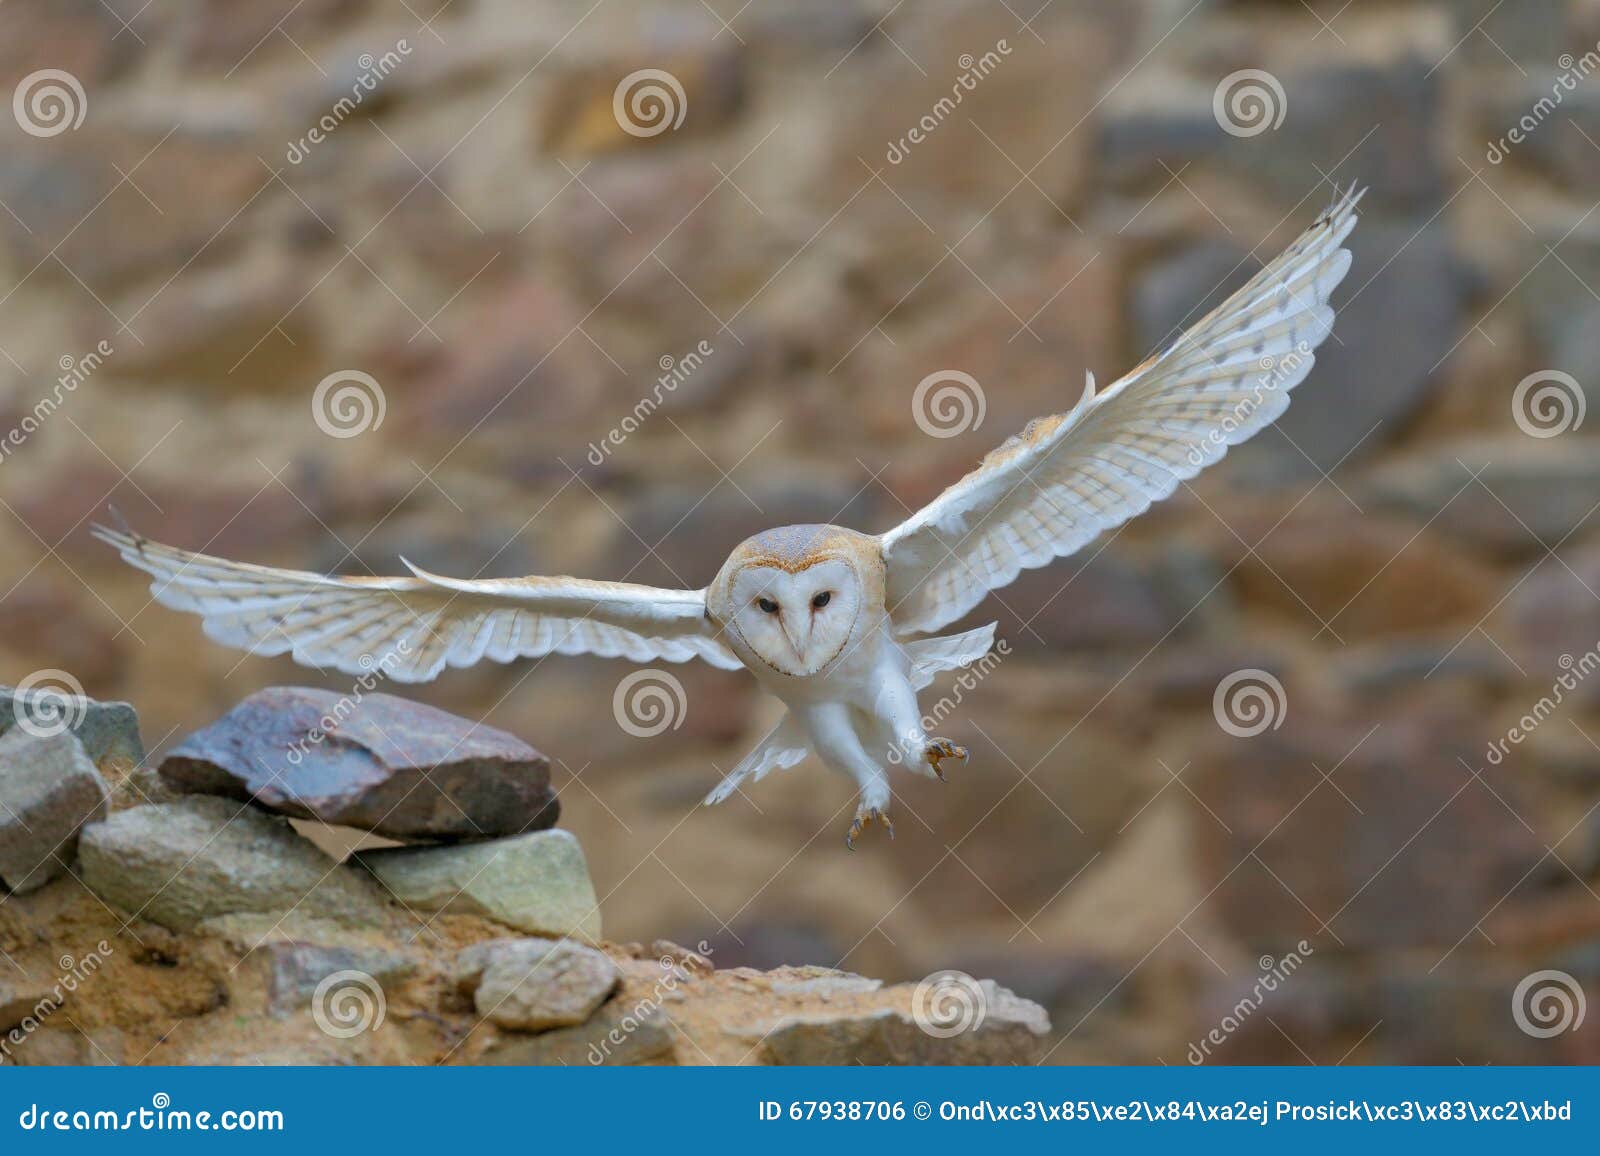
(505, 245)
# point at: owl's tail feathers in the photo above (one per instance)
(929, 656)
(784, 746)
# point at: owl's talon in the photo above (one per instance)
(938, 750)
(865, 817)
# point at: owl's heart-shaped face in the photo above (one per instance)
(796, 622)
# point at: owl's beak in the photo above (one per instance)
(798, 637)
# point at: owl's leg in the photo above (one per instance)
(896, 706)
(834, 738)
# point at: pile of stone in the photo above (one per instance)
(51, 748)
(474, 804)
(284, 954)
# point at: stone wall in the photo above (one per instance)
(614, 345)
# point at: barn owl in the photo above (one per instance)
(841, 626)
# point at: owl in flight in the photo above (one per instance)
(838, 624)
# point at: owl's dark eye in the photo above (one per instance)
(768, 606)
(822, 600)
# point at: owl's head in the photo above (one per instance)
(794, 596)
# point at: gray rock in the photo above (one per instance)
(372, 761)
(1529, 493)
(294, 970)
(1329, 112)
(1564, 322)
(48, 790)
(1011, 1030)
(178, 864)
(533, 985)
(107, 730)
(537, 883)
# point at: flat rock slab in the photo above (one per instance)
(109, 731)
(178, 864)
(537, 883)
(533, 985)
(372, 761)
(48, 790)
(992, 1026)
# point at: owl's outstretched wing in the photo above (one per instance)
(412, 628)
(1065, 479)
